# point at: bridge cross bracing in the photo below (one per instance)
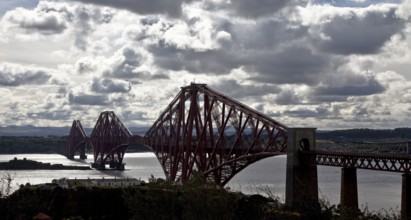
(205, 130)
(372, 161)
(77, 140)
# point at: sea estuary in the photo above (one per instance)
(376, 190)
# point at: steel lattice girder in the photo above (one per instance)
(109, 139)
(205, 130)
(77, 140)
(384, 162)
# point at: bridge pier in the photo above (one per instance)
(301, 177)
(349, 191)
(406, 197)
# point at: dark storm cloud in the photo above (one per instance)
(288, 97)
(264, 35)
(211, 61)
(293, 65)
(357, 34)
(372, 87)
(110, 86)
(257, 8)
(86, 99)
(253, 9)
(17, 76)
(170, 7)
(269, 50)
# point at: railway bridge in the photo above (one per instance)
(207, 131)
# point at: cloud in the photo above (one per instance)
(43, 22)
(88, 99)
(172, 8)
(252, 9)
(17, 75)
(325, 64)
(128, 63)
(360, 33)
(240, 91)
(370, 88)
(110, 86)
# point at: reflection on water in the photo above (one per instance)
(376, 190)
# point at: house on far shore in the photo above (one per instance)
(41, 216)
(69, 183)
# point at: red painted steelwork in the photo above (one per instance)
(205, 130)
(77, 141)
(375, 161)
(110, 139)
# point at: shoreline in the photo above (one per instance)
(24, 164)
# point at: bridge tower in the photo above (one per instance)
(301, 175)
(110, 139)
(77, 141)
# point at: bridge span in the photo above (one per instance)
(207, 131)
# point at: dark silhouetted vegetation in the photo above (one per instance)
(25, 164)
(159, 199)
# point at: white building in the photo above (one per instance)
(68, 183)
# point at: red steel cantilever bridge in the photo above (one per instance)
(205, 130)
(109, 138)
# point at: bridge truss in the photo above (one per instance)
(77, 141)
(110, 140)
(383, 162)
(205, 130)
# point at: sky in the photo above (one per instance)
(325, 64)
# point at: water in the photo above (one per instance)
(376, 190)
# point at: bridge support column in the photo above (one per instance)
(301, 177)
(406, 197)
(349, 191)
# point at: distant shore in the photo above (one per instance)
(25, 164)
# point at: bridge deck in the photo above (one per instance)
(372, 161)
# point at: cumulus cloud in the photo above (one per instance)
(240, 91)
(88, 99)
(39, 21)
(128, 63)
(291, 60)
(372, 87)
(17, 75)
(355, 33)
(171, 8)
(110, 86)
(252, 9)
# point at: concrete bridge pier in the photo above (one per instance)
(406, 197)
(349, 191)
(301, 177)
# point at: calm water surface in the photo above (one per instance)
(376, 190)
